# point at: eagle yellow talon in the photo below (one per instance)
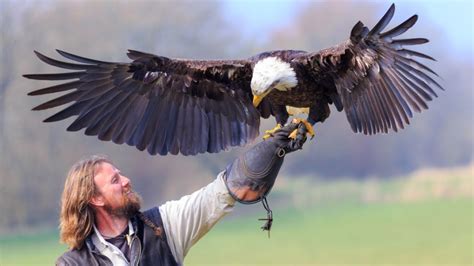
(269, 133)
(309, 128)
(293, 134)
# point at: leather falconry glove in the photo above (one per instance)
(251, 176)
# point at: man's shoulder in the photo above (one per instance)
(82, 256)
(73, 257)
(153, 214)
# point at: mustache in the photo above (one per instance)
(131, 204)
(129, 190)
(131, 196)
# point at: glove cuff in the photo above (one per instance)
(252, 175)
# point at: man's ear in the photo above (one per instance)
(97, 201)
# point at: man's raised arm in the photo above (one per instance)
(247, 180)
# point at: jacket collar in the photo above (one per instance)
(95, 238)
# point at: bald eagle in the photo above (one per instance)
(182, 106)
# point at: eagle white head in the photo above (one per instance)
(271, 73)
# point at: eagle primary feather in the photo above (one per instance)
(176, 106)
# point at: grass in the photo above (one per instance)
(423, 233)
(434, 232)
(36, 249)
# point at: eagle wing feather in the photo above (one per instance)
(155, 103)
(378, 81)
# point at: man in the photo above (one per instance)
(101, 222)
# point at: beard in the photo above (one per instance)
(130, 206)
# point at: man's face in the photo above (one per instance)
(115, 192)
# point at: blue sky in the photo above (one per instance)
(453, 17)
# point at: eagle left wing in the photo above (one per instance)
(156, 103)
(376, 79)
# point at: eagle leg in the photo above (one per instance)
(281, 116)
(317, 113)
(308, 126)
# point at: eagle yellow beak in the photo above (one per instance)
(257, 100)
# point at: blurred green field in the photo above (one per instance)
(422, 233)
(430, 232)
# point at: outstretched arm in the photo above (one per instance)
(186, 220)
(248, 179)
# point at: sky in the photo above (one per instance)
(453, 17)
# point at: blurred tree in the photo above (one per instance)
(7, 67)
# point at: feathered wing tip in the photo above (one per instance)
(134, 54)
(400, 29)
(82, 69)
(383, 22)
(80, 58)
(384, 82)
(359, 31)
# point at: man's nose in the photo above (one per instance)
(125, 181)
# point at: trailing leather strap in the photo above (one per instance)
(157, 229)
(269, 220)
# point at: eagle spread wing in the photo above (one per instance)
(189, 106)
(156, 103)
(376, 79)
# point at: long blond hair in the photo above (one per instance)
(77, 216)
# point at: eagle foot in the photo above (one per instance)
(269, 133)
(308, 126)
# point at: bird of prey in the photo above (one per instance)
(167, 105)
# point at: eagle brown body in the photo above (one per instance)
(183, 106)
(310, 92)
(307, 93)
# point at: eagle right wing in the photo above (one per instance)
(156, 103)
(376, 79)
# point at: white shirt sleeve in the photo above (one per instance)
(186, 220)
